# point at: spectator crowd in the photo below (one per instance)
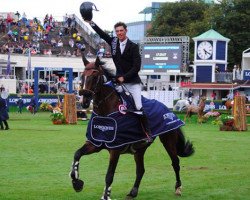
(19, 34)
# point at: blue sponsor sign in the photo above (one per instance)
(53, 100)
(246, 75)
(214, 106)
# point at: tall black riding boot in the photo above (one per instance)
(1, 125)
(145, 124)
(6, 125)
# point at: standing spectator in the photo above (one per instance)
(4, 116)
(190, 96)
(2, 88)
(213, 95)
(20, 105)
(32, 106)
(18, 15)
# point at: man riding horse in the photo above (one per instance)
(127, 59)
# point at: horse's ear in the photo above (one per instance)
(84, 59)
(98, 62)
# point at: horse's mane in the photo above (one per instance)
(109, 72)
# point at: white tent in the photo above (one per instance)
(246, 59)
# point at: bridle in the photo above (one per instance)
(89, 71)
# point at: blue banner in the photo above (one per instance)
(246, 75)
(53, 100)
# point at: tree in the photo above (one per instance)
(233, 21)
(231, 18)
(180, 19)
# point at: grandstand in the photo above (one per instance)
(46, 36)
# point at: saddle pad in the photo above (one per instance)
(103, 129)
(127, 128)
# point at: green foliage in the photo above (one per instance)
(58, 118)
(45, 107)
(231, 18)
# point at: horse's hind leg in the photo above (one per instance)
(86, 149)
(113, 160)
(140, 170)
(169, 141)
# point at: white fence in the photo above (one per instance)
(166, 97)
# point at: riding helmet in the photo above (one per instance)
(86, 10)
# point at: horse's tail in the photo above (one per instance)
(184, 147)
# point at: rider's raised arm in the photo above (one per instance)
(101, 33)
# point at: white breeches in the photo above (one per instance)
(135, 90)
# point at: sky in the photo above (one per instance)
(110, 11)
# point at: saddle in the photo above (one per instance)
(125, 97)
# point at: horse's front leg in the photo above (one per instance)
(140, 170)
(113, 160)
(86, 149)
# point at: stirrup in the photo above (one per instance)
(138, 112)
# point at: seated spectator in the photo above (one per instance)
(53, 42)
(60, 43)
(71, 43)
(49, 52)
(68, 53)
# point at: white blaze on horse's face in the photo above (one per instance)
(91, 79)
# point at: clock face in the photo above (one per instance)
(205, 50)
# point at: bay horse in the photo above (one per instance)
(228, 104)
(106, 101)
(196, 109)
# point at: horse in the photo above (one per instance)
(196, 109)
(106, 100)
(228, 104)
(183, 104)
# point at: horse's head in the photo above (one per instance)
(92, 79)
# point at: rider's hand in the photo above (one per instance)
(120, 79)
(87, 21)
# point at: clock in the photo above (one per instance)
(205, 50)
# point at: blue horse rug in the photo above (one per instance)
(121, 128)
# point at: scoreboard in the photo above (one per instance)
(162, 57)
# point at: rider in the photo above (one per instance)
(190, 96)
(127, 59)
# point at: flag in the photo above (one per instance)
(8, 71)
(29, 65)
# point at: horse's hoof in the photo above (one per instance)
(77, 185)
(133, 193)
(105, 198)
(178, 191)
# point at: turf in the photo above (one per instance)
(35, 159)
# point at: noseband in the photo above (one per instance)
(89, 71)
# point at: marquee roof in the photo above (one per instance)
(211, 35)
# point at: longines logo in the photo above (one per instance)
(104, 128)
(168, 116)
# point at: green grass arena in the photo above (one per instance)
(36, 156)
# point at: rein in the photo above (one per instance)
(104, 100)
(89, 72)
